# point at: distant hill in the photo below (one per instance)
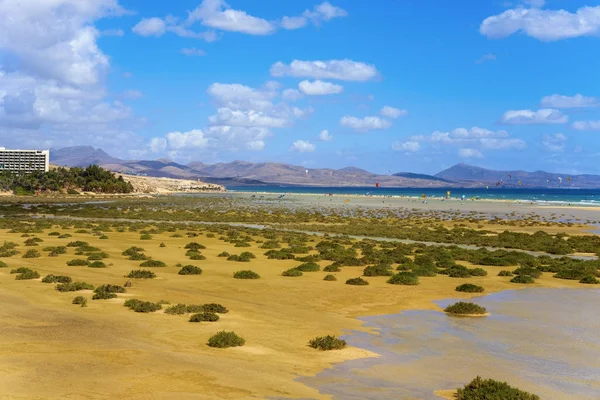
(513, 178)
(240, 173)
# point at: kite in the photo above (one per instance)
(377, 184)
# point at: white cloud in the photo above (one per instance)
(469, 153)
(542, 24)
(303, 146)
(392, 112)
(409, 146)
(325, 136)
(587, 125)
(529, 117)
(554, 143)
(291, 94)
(485, 57)
(577, 101)
(364, 124)
(321, 13)
(150, 27)
(319, 88)
(192, 51)
(217, 14)
(112, 32)
(255, 145)
(291, 23)
(132, 95)
(345, 70)
(247, 118)
(473, 138)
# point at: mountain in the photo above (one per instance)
(80, 156)
(513, 178)
(412, 175)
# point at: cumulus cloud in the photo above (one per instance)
(587, 125)
(325, 136)
(192, 51)
(391, 112)
(303, 146)
(321, 13)
(408, 147)
(150, 27)
(561, 101)
(319, 88)
(247, 118)
(217, 14)
(543, 24)
(364, 124)
(344, 70)
(469, 153)
(291, 95)
(529, 117)
(554, 143)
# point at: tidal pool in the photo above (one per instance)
(546, 341)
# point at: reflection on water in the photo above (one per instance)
(546, 341)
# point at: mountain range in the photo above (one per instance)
(240, 173)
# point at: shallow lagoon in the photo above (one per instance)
(546, 341)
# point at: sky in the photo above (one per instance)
(387, 85)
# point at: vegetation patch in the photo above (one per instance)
(32, 253)
(465, 308)
(57, 279)
(225, 339)
(489, 389)
(590, 279)
(292, 272)
(141, 274)
(327, 343)
(330, 278)
(522, 279)
(29, 274)
(190, 270)
(404, 278)
(246, 274)
(357, 281)
(78, 262)
(97, 264)
(204, 317)
(74, 286)
(152, 264)
(142, 306)
(505, 273)
(308, 267)
(469, 288)
(378, 270)
(332, 268)
(80, 300)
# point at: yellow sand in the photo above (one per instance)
(50, 348)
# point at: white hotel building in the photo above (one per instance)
(24, 160)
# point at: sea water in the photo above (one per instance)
(546, 341)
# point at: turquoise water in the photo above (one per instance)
(542, 195)
(545, 341)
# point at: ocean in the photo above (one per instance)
(537, 195)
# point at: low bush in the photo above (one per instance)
(505, 273)
(56, 249)
(215, 308)
(152, 264)
(80, 300)
(489, 389)
(425, 271)
(378, 270)
(590, 279)
(132, 250)
(457, 271)
(404, 278)
(54, 234)
(74, 286)
(97, 264)
(204, 316)
(57, 279)
(469, 288)
(33, 241)
(27, 275)
(3, 264)
(308, 267)
(327, 343)
(142, 306)
(246, 274)
(292, 272)
(196, 256)
(357, 281)
(97, 256)
(194, 246)
(141, 274)
(465, 308)
(103, 237)
(77, 243)
(78, 262)
(332, 268)
(522, 279)
(330, 278)
(532, 272)
(145, 237)
(223, 254)
(32, 253)
(190, 270)
(478, 272)
(225, 339)
(20, 270)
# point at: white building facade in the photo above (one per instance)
(24, 160)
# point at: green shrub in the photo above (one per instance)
(478, 272)
(204, 316)
(404, 278)
(146, 237)
(196, 256)
(20, 270)
(103, 237)
(110, 288)
(152, 264)
(104, 296)
(32, 253)
(57, 279)
(590, 279)
(65, 236)
(132, 250)
(522, 279)
(488, 389)
(78, 262)
(505, 273)
(327, 343)
(97, 256)
(142, 306)
(457, 271)
(210, 235)
(54, 234)
(357, 281)
(246, 274)
(332, 268)
(80, 300)
(215, 308)
(330, 278)
(308, 267)
(97, 264)
(73, 286)
(532, 272)
(378, 270)
(469, 288)
(223, 254)
(226, 339)
(77, 243)
(33, 241)
(292, 272)
(190, 270)
(3, 264)
(465, 308)
(141, 274)
(425, 271)
(194, 246)
(27, 275)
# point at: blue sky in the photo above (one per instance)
(411, 85)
